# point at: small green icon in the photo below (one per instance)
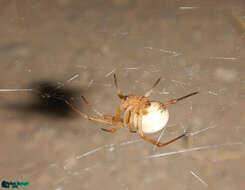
(17, 184)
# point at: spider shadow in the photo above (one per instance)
(47, 99)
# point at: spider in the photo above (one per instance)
(138, 113)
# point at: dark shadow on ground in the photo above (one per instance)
(48, 99)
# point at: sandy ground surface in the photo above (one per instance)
(192, 45)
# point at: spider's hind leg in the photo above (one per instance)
(139, 123)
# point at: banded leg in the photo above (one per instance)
(178, 99)
(126, 116)
(148, 93)
(113, 129)
(115, 119)
(92, 118)
(131, 124)
(125, 122)
(92, 107)
(121, 96)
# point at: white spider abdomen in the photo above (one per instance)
(154, 119)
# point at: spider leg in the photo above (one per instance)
(113, 129)
(128, 119)
(139, 123)
(115, 119)
(92, 107)
(173, 101)
(131, 120)
(126, 116)
(148, 93)
(117, 88)
(110, 117)
(92, 118)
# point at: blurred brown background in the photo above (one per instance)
(192, 45)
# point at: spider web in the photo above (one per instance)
(86, 43)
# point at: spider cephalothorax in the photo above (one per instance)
(138, 112)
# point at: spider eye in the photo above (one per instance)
(163, 107)
(147, 104)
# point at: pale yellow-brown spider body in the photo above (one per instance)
(139, 113)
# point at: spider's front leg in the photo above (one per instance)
(113, 129)
(124, 122)
(114, 119)
(92, 118)
(131, 120)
